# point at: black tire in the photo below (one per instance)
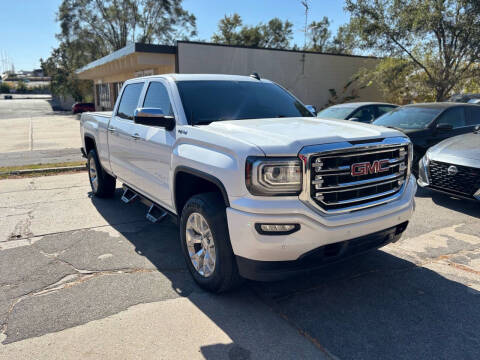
(225, 275)
(106, 182)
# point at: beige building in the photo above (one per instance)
(308, 75)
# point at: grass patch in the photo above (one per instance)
(6, 171)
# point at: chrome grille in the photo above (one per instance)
(334, 185)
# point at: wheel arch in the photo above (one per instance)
(196, 182)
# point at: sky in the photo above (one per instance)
(28, 27)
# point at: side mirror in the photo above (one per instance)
(444, 127)
(354, 119)
(154, 117)
(312, 109)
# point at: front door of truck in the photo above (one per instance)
(153, 148)
(121, 143)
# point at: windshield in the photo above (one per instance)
(408, 117)
(336, 112)
(208, 101)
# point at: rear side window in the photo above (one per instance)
(129, 101)
(157, 97)
(454, 117)
(473, 117)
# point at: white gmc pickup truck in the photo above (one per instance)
(261, 189)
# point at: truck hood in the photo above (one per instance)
(287, 136)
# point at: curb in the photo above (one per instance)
(45, 170)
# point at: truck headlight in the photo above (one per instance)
(273, 176)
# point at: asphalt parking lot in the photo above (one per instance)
(88, 278)
(36, 134)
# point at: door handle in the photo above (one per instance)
(111, 129)
(135, 136)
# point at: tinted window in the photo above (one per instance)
(454, 117)
(129, 100)
(336, 112)
(473, 115)
(383, 109)
(207, 101)
(409, 117)
(365, 114)
(157, 97)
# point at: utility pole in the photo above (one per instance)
(307, 8)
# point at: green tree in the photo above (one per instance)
(438, 39)
(4, 88)
(91, 29)
(274, 34)
(319, 34)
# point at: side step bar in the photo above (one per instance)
(155, 212)
(128, 195)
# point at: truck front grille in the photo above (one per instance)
(464, 182)
(357, 176)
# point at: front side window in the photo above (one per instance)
(157, 97)
(365, 114)
(207, 101)
(129, 101)
(473, 115)
(454, 117)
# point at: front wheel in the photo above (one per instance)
(103, 184)
(206, 243)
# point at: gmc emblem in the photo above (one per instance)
(365, 168)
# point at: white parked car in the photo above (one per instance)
(261, 188)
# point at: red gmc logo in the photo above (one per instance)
(366, 168)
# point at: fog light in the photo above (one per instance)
(276, 229)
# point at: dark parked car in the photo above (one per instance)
(428, 124)
(453, 167)
(364, 112)
(463, 98)
(82, 107)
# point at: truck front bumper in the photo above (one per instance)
(320, 238)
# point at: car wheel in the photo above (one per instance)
(102, 184)
(206, 243)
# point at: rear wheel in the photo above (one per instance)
(206, 243)
(103, 184)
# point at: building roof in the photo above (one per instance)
(127, 50)
(169, 49)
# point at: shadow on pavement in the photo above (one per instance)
(373, 306)
(468, 207)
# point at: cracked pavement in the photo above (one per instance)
(87, 278)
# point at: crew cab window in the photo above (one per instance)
(157, 97)
(454, 117)
(129, 101)
(473, 117)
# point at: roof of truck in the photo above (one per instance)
(194, 77)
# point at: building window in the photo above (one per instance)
(103, 96)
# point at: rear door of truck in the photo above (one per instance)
(121, 138)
